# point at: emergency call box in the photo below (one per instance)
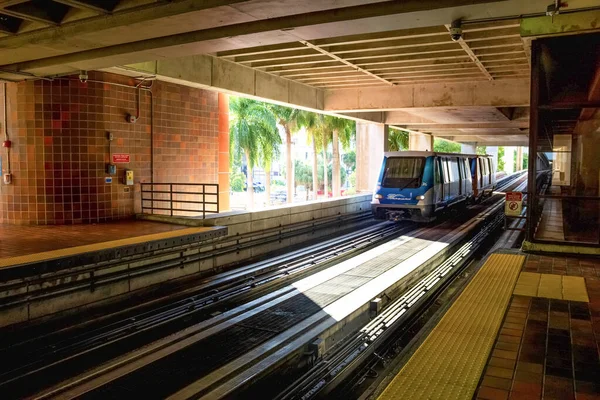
(128, 177)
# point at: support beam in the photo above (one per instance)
(213, 73)
(468, 148)
(507, 93)
(369, 154)
(472, 56)
(50, 14)
(420, 141)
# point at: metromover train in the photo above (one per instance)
(417, 185)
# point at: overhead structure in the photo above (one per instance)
(374, 60)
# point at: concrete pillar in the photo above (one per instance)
(468, 148)
(369, 154)
(386, 137)
(223, 171)
(509, 162)
(420, 141)
(493, 151)
(519, 164)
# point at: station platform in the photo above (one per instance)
(32, 245)
(525, 327)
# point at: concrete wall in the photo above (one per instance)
(370, 139)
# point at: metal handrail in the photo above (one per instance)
(176, 205)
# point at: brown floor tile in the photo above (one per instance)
(489, 393)
(20, 240)
(511, 355)
(523, 396)
(558, 388)
(528, 376)
(530, 367)
(498, 372)
(501, 362)
(534, 389)
(507, 346)
(497, 383)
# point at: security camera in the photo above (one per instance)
(83, 76)
(456, 30)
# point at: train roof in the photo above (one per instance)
(427, 154)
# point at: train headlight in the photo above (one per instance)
(420, 197)
(378, 196)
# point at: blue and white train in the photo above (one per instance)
(416, 185)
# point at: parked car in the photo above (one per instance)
(279, 196)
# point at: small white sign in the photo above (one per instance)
(108, 179)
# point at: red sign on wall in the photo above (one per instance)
(120, 158)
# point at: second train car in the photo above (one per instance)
(416, 185)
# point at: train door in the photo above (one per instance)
(454, 178)
(463, 177)
(468, 177)
(447, 179)
(438, 183)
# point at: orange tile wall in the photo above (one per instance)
(59, 148)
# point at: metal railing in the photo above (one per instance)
(180, 199)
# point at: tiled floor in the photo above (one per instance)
(18, 240)
(551, 224)
(548, 348)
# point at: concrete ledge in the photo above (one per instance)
(559, 248)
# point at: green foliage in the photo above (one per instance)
(397, 140)
(330, 171)
(252, 131)
(237, 181)
(481, 150)
(278, 182)
(303, 174)
(500, 158)
(445, 146)
(349, 160)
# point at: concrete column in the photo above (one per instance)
(493, 151)
(519, 165)
(369, 154)
(420, 141)
(509, 162)
(223, 170)
(468, 148)
(386, 137)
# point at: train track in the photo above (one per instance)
(45, 360)
(182, 324)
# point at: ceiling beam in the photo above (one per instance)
(507, 93)
(463, 125)
(343, 61)
(467, 49)
(101, 56)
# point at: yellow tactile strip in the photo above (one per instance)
(552, 286)
(449, 363)
(71, 251)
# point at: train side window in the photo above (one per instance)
(445, 170)
(454, 170)
(489, 161)
(486, 166)
(436, 172)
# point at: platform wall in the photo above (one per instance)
(60, 149)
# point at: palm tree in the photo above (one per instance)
(310, 121)
(252, 125)
(342, 131)
(269, 150)
(287, 118)
(397, 140)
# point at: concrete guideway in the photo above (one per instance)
(307, 289)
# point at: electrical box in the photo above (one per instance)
(111, 169)
(128, 177)
(7, 179)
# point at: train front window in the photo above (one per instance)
(403, 172)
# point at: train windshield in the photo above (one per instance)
(403, 172)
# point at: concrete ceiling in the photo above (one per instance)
(340, 48)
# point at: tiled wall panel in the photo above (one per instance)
(60, 149)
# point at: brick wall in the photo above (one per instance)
(60, 149)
